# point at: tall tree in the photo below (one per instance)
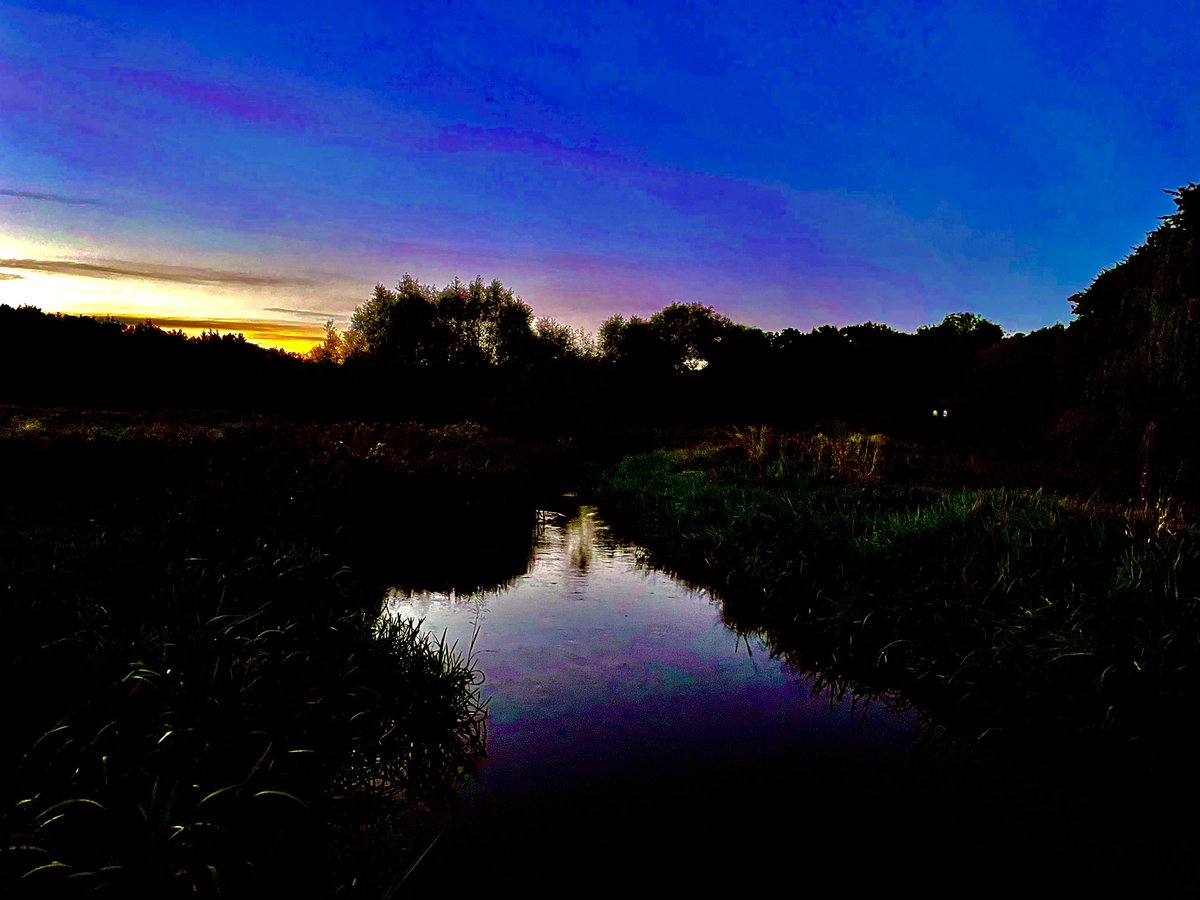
(462, 325)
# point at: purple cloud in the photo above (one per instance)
(226, 99)
(22, 88)
(750, 205)
(464, 138)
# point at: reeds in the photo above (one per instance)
(846, 454)
(202, 697)
(203, 755)
(1001, 611)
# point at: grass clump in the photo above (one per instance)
(226, 744)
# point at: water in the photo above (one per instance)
(596, 665)
(635, 742)
(624, 714)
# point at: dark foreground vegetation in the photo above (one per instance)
(1004, 614)
(202, 699)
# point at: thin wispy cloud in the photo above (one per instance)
(463, 138)
(314, 314)
(51, 198)
(227, 99)
(253, 329)
(150, 272)
(704, 204)
(10, 276)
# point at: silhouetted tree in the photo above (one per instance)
(399, 327)
(332, 349)
(635, 347)
(556, 341)
(462, 325)
(58, 358)
(1137, 332)
(690, 333)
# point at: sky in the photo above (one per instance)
(259, 167)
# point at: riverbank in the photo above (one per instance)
(636, 740)
(201, 697)
(1009, 615)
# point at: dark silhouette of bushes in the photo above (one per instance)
(62, 359)
(474, 351)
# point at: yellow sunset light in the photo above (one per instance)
(37, 279)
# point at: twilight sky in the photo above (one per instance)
(790, 164)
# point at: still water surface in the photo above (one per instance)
(607, 679)
(636, 742)
(596, 664)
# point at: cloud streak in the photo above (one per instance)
(150, 272)
(257, 330)
(50, 198)
(315, 314)
(10, 276)
(227, 99)
(218, 324)
(463, 138)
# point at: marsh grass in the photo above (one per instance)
(233, 740)
(846, 454)
(203, 699)
(1003, 612)
(759, 442)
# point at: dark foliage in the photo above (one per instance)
(1001, 613)
(55, 359)
(202, 698)
(1138, 335)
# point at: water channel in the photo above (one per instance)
(635, 740)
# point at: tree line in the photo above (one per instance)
(1118, 387)
(685, 363)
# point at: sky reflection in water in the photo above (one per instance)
(595, 666)
(633, 739)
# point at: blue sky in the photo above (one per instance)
(790, 164)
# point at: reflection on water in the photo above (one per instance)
(635, 740)
(595, 665)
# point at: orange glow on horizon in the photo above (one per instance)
(163, 295)
(294, 337)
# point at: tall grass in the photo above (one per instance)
(247, 734)
(202, 698)
(1001, 611)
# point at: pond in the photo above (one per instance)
(634, 739)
